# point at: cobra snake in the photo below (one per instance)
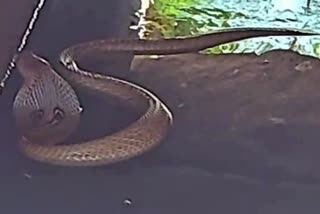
(47, 109)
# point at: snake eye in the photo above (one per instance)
(37, 115)
(58, 113)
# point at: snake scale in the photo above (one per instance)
(47, 109)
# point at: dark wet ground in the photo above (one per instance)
(14, 16)
(244, 140)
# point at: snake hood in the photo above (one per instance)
(46, 108)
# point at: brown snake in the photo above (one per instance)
(47, 109)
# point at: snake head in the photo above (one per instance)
(46, 107)
(30, 65)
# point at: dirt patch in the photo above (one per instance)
(254, 116)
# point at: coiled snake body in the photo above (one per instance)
(47, 109)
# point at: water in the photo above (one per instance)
(191, 17)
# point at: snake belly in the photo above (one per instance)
(47, 98)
